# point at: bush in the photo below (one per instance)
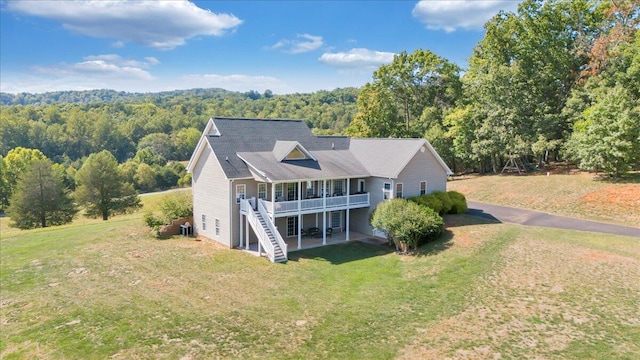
(428, 200)
(459, 202)
(407, 224)
(176, 206)
(153, 222)
(447, 204)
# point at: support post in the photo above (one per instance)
(348, 209)
(324, 212)
(273, 201)
(299, 214)
(240, 220)
(246, 226)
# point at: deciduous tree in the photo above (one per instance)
(102, 189)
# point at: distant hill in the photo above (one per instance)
(106, 96)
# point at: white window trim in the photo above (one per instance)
(243, 192)
(295, 230)
(420, 187)
(363, 187)
(401, 185)
(386, 193)
(264, 185)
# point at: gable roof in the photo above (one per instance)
(282, 150)
(257, 148)
(388, 157)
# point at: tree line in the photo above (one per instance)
(555, 80)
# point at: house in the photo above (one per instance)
(273, 185)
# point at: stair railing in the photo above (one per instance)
(263, 211)
(261, 233)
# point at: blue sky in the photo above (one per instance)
(284, 46)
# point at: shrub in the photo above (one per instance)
(428, 200)
(153, 222)
(176, 206)
(459, 202)
(407, 224)
(447, 204)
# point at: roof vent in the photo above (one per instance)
(333, 146)
(226, 158)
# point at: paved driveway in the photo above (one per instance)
(535, 218)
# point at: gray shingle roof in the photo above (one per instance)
(330, 164)
(385, 157)
(256, 135)
(260, 142)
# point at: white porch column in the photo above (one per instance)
(273, 201)
(240, 221)
(348, 209)
(246, 233)
(324, 212)
(299, 214)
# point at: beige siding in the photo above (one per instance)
(211, 198)
(251, 190)
(359, 219)
(422, 167)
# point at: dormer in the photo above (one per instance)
(291, 150)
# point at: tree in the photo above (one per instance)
(41, 198)
(608, 137)
(406, 223)
(401, 91)
(102, 189)
(15, 165)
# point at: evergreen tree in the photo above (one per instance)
(41, 198)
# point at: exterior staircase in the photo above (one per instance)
(278, 253)
(268, 236)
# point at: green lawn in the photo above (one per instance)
(108, 289)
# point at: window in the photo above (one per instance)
(204, 222)
(292, 194)
(361, 188)
(338, 187)
(386, 191)
(292, 226)
(423, 187)
(262, 191)
(241, 192)
(278, 192)
(217, 224)
(310, 192)
(336, 219)
(398, 190)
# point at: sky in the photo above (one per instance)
(284, 46)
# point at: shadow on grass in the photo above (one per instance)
(471, 217)
(342, 253)
(629, 178)
(443, 243)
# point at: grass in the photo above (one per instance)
(578, 195)
(97, 289)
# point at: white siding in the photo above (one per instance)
(423, 167)
(211, 198)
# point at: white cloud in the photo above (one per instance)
(234, 82)
(357, 58)
(159, 24)
(303, 43)
(449, 15)
(99, 68)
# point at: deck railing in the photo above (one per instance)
(332, 203)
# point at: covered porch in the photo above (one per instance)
(309, 242)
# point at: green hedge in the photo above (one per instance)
(451, 202)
